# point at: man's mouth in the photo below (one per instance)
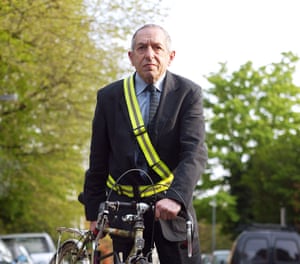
(149, 66)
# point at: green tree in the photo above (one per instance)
(222, 206)
(54, 56)
(249, 111)
(277, 170)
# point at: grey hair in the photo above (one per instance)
(167, 36)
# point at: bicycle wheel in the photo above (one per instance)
(142, 261)
(139, 260)
(68, 253)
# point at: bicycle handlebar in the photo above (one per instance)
(141, 208)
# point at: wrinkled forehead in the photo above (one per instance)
(150, 35)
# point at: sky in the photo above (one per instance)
(208, 32)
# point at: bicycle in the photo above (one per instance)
(84, 248)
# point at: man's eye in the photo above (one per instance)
(158, 48)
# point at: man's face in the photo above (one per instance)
(150, 55)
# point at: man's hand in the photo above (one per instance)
(93, 225)
(167, 209)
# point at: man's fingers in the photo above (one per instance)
(166, 209)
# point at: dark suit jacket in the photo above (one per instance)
(178, 138)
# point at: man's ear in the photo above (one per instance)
(130, 57)
(172, 56)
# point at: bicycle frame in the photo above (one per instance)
(136, 253)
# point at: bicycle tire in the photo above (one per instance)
(68, 254)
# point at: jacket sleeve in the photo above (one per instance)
(96, 175)
(192, 156)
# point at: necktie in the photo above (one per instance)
(154, 101)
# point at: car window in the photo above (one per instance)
(34, 244)
(286, 251)
(5, 254)
(255, 251)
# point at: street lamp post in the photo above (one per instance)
(9, 97)
(213, 204)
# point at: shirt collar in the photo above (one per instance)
(140, 84)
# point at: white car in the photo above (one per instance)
(40, 246)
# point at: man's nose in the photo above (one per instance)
(149, 52)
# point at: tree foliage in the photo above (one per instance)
(54, 56)
(253, 129)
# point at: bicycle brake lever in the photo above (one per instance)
(189, 233)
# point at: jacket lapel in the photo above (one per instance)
(167, 101)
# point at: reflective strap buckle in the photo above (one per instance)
(154, 165)
(139, 130)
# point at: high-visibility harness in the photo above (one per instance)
(146, 146)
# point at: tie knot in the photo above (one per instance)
(151, 88)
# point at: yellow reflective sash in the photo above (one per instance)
(144, 190)
(146, 146)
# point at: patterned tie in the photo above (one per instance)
(154, 101)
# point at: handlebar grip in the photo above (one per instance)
(183, 214)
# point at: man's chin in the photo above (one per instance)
(148, 76)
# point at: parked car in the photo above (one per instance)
(205, 258)
(266, 244)
(40, 246)
(220, 256)
(5, 254)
